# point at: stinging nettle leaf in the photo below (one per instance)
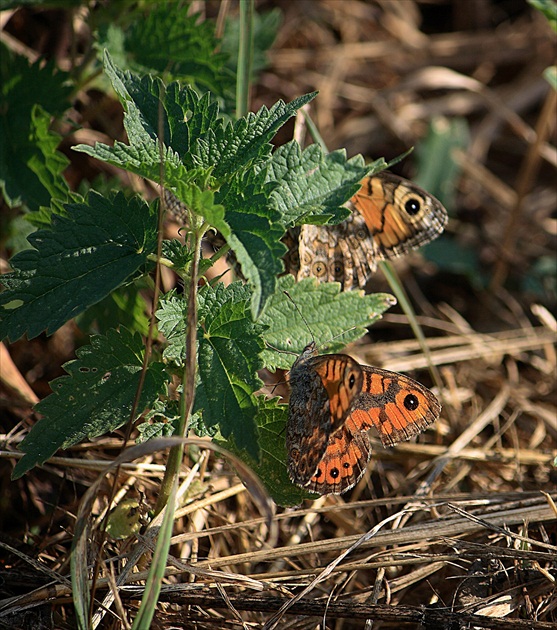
(229, 344)
(335, 318)
(125, 305)
(172, 317)
(271, 467)
(170, 41)
(255, 234)
(28, 163)
(229, 349)
(183, 115)
(313, 187)
(94, 398)
(49, 163)
(203, 152)
(238, 146)
(76, 263)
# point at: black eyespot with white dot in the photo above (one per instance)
(412, 206)
(411, 402)
(334, 473)
(319, 269)
(318, 473)
(346, 465)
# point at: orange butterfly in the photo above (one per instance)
(334, 401)
(390, 216)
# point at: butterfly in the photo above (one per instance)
(390, 217)
(333, 402)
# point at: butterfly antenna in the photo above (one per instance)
(270, 345)
(343, 333)
(300, 314)
(309, 327)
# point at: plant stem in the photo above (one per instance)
(188, 378)
(245, 57)
(400, 294)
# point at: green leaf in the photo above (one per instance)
(150, 107)
(84, 257)
(210, 165)
(192, 127)
(334, 318)
(178, 253)
(49, 164)
(228, 356)
(94, 398)
(124, 305)
(206, 156)
(202, 203)
(28, 162)
(166, 40)
(228, 363)
(200, 147)
(236, 147)
(271, 467)
(161, 421)
(183, 114)
(313, 187)
(15, 230)
(255, 235)
(172, 316)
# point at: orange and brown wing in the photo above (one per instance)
(336, 253)
(400, 215)
(390, 216)
(344, 461)
(323, 391)
(343, 379)
(396, 405)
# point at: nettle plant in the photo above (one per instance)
(214, 337)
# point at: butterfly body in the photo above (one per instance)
(334, 402)
(390, 217)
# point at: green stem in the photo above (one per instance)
(245, 57)
(163, 261)
(219, 254)
(176, 454)
(400, 294)
(314, 131)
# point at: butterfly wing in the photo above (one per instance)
(344, 461)
(323, 391)
(390, 216)
(396, 405)
(337, 253)
(400, 215)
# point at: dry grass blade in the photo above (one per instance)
(80, 582)
(273, 622)
(448, 350)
